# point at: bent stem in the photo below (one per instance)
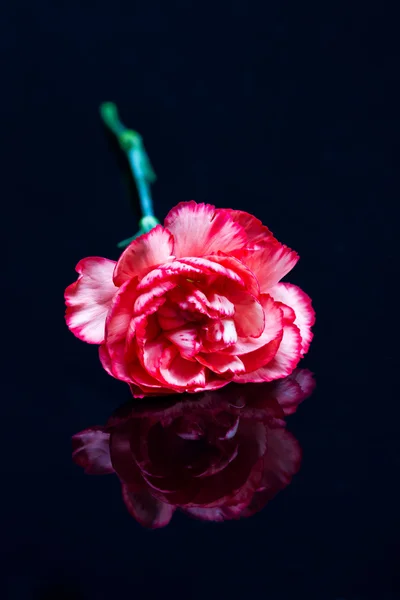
(131, 143)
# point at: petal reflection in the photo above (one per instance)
(216, 455)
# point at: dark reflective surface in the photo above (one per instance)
(217, 455)
(288, 111)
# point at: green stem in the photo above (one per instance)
(131, 143)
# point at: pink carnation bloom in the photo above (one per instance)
(193, 304)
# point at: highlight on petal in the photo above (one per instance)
(300, 302)
(89, 298)
(146, 509)
(144, 253)
(91, 451)
(272, 262)
(200, 229)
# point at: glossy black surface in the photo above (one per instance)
(286, 111)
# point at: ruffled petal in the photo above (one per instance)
(293, 296)
(181, 373)
(284, 361)
(89, 298)
(186, 339)
(221, 363)
(257, 233)
(272, 329)
(249, 315)
(272, 262)
(220, 333)
(200, 229)
(144, 253)
(121, 312)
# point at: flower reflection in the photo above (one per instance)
(215, 455)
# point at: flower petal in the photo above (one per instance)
(186, 339)
(144, 253)
(121, 312)
(272, 329)
(249, 315)
(89, 298)
(181, 373)
(220, 333)
(200, 229)
(91, 450)
(272, 262)
(262, 356)
(221, 363)
(257, 233)
(144, 302)
(293, 296)
(284, 361)
(146, 509)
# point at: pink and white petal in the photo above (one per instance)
(248, 279)
(147, 510)
(180, 373)
(186, 339)
(200, 229)
(262, 356)
(145, 302)
(289, 316)
(249, 315)
(170, 316)
(221, 363)
(113, 361)
(150, 356)
(272, 330)
(142, 378)
(144, 253)
(257, 233)
(212, 265)
(91, 451)
(221, 331)
(216, 303)
(270, 263)
(284, 361)
(300, 302)
(89, 299)
(120, 362)
(190, 298)
(121, 312)
(170, 272)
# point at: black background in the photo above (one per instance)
(286, 110)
